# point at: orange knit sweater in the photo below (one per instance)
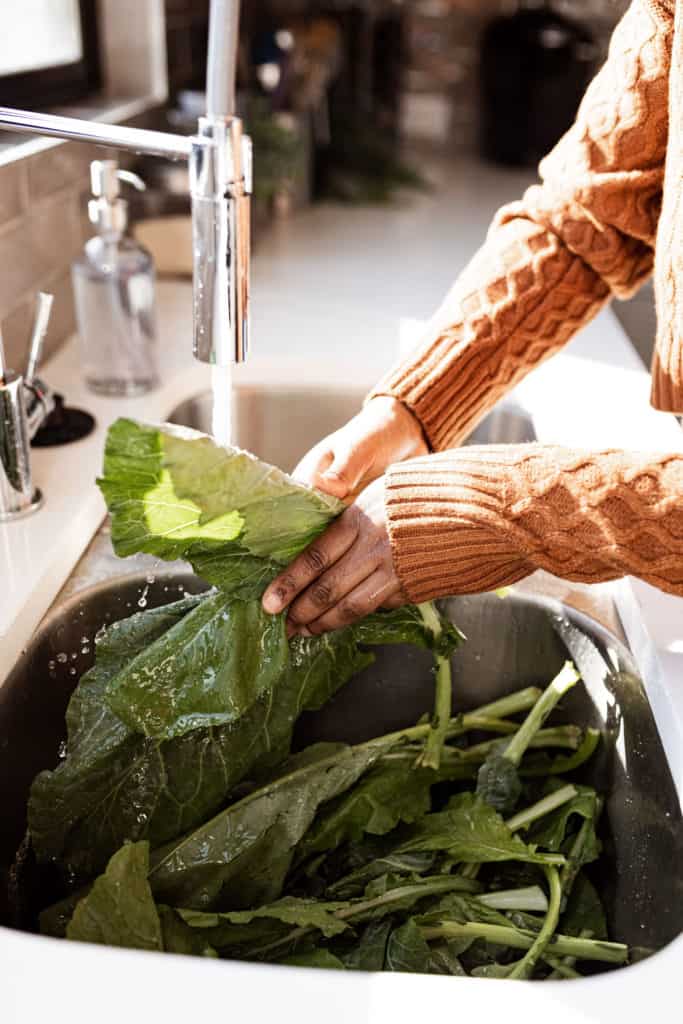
(477, 518)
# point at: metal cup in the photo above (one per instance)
(17, 495)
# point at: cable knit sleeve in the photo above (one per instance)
(554, 258)
(474, 519)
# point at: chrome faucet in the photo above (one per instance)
(220, 163)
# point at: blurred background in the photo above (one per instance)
(359, 103)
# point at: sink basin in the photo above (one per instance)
(280, 424)
(511, 643)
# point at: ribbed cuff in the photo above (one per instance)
(447, 525)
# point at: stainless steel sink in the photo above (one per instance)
(511, 643)
(280, 424)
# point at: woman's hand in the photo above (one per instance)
(343, 464)
(344, 575)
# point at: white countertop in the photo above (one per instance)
(331, 289)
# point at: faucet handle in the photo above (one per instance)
(40, 325)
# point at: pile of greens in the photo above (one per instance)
(180, 820)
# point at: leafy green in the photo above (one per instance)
(472, 832)
(322, 958)
(178, 937)
(443, 960)
(288, 910)
(443, 702)
(207, 670)
(407, 950)
(390, 793)
(241, 856)
(550, 832)
(369, 952)
(397, 863)
(119, 910)
(498, 781)
(116, 784)
(584, 913)
(174, 493)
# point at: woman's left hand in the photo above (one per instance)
(342, 576)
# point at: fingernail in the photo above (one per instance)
(272, 603)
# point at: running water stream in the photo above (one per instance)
(222, 425)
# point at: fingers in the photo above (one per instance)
(312, 563)
(330, 588)
(344, 474)
(337, 465)
(380, 588)
(314, 463)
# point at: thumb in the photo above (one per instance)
(346, 470)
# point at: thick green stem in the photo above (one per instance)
(513, 704)
(545, 806)
(525, 967)
(443, 700)
(560, 765)
(530, 898)
(564, 968)
(561, 968)
(430, 886)
(518, 938)
(540, 711)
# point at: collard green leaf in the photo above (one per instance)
(550, 832)
(300, 913)
(397, 864)
(369, 953)
(178, 937)
(584, 914)
(253, 840)
(407, 950)
(444, 960)
(472, 832)
(321, 958)
(174, 493)
(498, 783)
(117, 785)
(119, 909)
(206, 670)
(389, 794)
(407, 626)
(104, 758)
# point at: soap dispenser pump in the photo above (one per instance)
(113, 283)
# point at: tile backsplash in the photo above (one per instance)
(41, 231)
(43, 227)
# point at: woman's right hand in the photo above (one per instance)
(347, 461)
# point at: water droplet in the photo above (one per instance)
(141, 818)
(85, 640)
(62, 658)
(74, 656)
(151, 578)
(72, 671)
(51, 666)
(142, 603)
(61, 751)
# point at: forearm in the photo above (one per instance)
(494, 328)
(480, 518)
(552, 260)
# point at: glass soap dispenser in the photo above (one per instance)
(113, 284)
